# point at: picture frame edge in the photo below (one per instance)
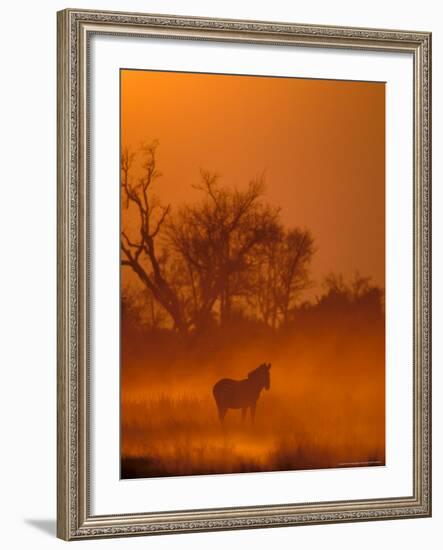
(73, 520)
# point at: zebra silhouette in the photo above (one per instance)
(241, 394)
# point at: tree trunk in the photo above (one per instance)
(163, 294)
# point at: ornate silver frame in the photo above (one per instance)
(74, 519)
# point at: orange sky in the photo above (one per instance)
(321, 144)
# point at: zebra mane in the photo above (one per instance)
(257, 370)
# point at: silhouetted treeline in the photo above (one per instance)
(349, 314)
(357, 303)
(225, 257)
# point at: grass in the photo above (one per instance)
(165, 435)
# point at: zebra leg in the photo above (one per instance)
(243, 413)
(221, 414)
(253, 413)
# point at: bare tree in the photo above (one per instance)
(295, 254)
(216, 239)
(281, 274)
(139, 243)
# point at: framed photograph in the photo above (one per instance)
(244, 314)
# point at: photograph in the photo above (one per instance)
(252, 273)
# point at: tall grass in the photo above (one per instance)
(181, 435)
(325, 407)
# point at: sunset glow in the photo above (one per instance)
(253, 239)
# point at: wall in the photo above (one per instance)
(27, 304)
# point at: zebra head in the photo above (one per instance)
(261, 375)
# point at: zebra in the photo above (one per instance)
(241, 394)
